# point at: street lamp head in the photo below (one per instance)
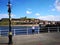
(8, 1)
(9, 6)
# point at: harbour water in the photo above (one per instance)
(18, 30)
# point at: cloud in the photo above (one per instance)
(37, 14)
(53, 9)
(57, 5)
(28, 12)
(29, 9)
(50, 18)
(6, 16)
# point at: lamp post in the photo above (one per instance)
(10, 31)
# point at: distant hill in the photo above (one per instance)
(25, 20)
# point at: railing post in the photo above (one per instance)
(48, 30)
(14, 32)
(27, 30)
(57, 29)
(38, 30)
(0, 32)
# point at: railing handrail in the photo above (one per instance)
(27, 29)
(51, 27)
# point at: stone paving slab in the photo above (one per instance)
(35, 39)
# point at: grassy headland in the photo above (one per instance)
(20, 21)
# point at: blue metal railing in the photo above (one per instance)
(18, 31)
(27, 31)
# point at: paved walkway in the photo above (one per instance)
(36, 39)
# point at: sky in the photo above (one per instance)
(39, 9)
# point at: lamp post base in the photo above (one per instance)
(10, 39)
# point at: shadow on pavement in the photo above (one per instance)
(5, 44)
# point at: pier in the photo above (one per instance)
(35, 39)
